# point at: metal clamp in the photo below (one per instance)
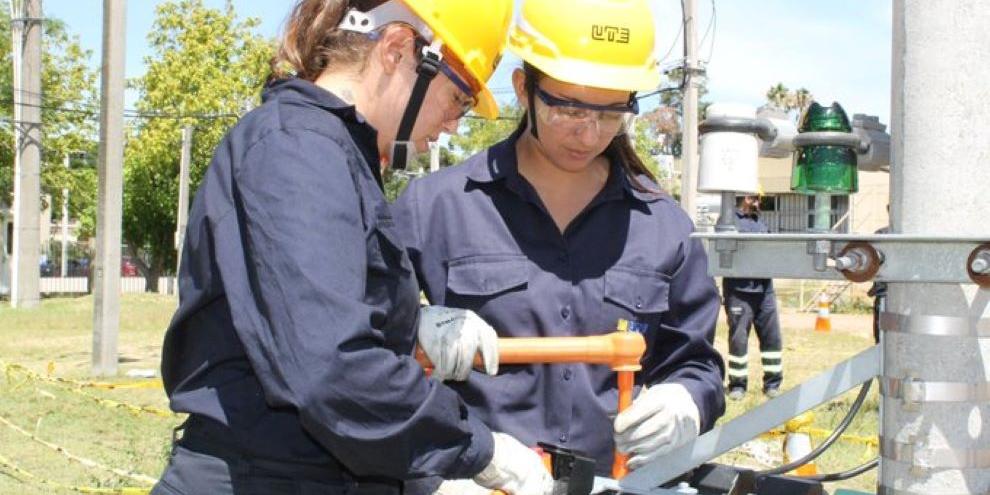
(926, 458)
(761, 127)
(831, 138)
(935, 325)
(917, 391)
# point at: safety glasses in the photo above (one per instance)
(575, 115)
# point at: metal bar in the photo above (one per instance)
(822, 388)
(906, 258)
(975, 239)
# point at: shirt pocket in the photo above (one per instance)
(487, 276)
(642, 293)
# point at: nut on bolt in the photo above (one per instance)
(978, 265)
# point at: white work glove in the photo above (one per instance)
(662, 418)
(461, 487)
(515, 469)
(451, 337)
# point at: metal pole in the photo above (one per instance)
(65, 224)
(26, 32)
(689, 141)
(106, 279)
(939, 183)
(182, 216)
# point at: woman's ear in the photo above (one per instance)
(393, 45)
(519, 85)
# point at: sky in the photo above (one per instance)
(839, 50)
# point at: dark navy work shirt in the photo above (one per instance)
(480, 238)
(299, 305)
(750, 224)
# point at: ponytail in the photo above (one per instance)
(310, 40)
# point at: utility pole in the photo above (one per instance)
(689, 139)
(106, 279)
(25, 24)
(434, 156)
(65, 221)
(933, 430)
(182, 216)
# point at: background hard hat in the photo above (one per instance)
(600, 43)
(474, 31)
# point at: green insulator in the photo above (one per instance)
(830, 169)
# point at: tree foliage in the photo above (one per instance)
(783, 98)
(477, 134)
(69, 118)
(205, 69)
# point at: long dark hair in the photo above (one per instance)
(310, 39)
(620, 149)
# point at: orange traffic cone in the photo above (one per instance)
(823, 323)
(797, 444)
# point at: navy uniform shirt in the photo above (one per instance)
(299, 304)
(749, 224)
(481, 239)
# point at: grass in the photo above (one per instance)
(55, 341)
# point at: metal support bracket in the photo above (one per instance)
(820, 389)
(906, 258)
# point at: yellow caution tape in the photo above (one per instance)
(822, 433)
(77, 388)
(81, 460)
(25, 476)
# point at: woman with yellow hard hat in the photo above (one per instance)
(560, 230)
(290, 350)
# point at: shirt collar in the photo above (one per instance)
(314, 95)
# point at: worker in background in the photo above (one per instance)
(752, 302)
(561, 230)
(291, 348)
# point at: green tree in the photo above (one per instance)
(206, 67)
(477, 134)
(69, 117)
(673, 99)
(778, 95)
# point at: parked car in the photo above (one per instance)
(128, 268)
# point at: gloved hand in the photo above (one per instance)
(461, 487)
(451, 337)
(662, 418)
(516, 469)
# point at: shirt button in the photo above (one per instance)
(568, 374)
(565, 312)
(563, 438)
(639, 303)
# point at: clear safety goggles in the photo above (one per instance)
(606, 120)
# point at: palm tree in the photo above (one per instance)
(777, 96)
(802, 98)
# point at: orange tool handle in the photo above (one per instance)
(621, 351)
(627, 380)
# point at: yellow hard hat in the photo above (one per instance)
(605, 44)
(474, 32)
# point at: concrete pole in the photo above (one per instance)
(182, 216)
(106, 279)
(689, 140)
(434, 156)
(26, 31)
(65, 223)
(939, 182)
